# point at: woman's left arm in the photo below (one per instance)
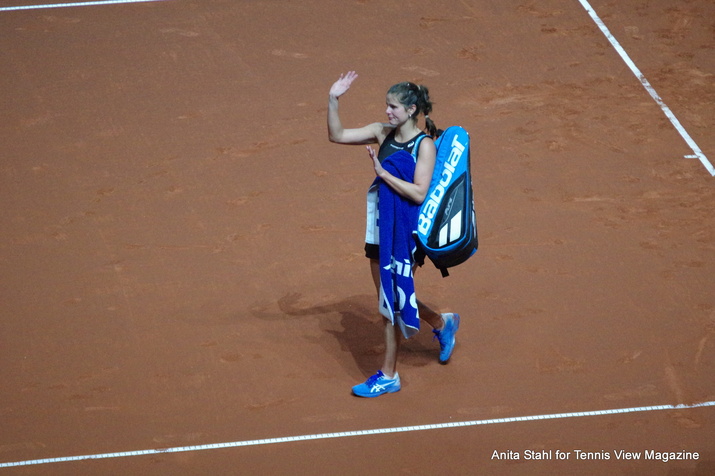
(416, 190)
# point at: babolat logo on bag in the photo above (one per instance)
(447, 224)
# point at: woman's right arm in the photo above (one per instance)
(369, 134)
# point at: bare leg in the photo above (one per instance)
(431, 317)
(375, 270)
(392, 336)
(445, 327)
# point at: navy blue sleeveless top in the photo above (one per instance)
(389, 146)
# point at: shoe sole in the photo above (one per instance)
(373, 395)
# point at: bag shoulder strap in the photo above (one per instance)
(416, 147)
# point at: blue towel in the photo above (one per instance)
(398, 221)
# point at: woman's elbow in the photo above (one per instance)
(420, 193)
(419, 197)
(335, 137)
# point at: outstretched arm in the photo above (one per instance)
(336, 132)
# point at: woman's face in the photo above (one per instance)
(397, 114)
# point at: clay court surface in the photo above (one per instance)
(181, 247)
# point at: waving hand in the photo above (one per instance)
(343, 83)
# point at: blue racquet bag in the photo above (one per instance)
(447, 223)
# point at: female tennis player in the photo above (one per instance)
(405, 101)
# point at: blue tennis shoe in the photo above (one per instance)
(377, 385)
(446, 336)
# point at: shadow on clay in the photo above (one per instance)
(361, 335)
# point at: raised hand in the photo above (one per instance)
(343, 83)
(375, 161)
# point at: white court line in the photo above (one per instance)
(75, 4)
(697, 153)
(346, 434)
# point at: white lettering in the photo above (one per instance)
(622, 454)
(399, 268)
(505, 455)
(590, 455)
(456, 152)
(423, 224)
(449, 167)
(435, 198)
(402, 299)
(666, 456)
(396, 266)
(540, 455)
(445, 178)
(457, 144)
(407, 270)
